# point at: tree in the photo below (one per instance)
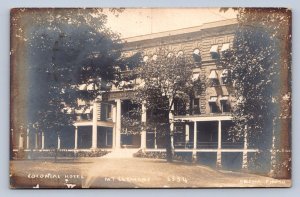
(165, 79)
(260, 64)
(64, 49)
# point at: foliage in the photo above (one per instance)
(164, 80)
(260, 63)
(65, 48)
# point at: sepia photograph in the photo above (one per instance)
(150, 98)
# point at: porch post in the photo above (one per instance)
(76, 138)
(21, 142)
(27, 139)
(36, 140)
(114, 113)
(194, 153)
(118, 124)
(155, 144)
(43, 139)
(187, 133)
(245, 152)
(143, 132)
(58, 141)
(219, 153)
(94, 128)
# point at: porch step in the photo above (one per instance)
(121, 153)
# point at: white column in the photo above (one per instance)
(27, 139)
(43, 139)
(194, 153)
(36, 140)
(155, 144)
(219, 153)
(118, 124)
(76, 138)
(94, 128)
(21, 144)
(143, 132)
(195, 135)
(58, 141)
(114, 114)
(187, 133)
(245, 153)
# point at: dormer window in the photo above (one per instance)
(214, 52)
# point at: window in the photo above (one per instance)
(196, 106)
(213, 104)
(197, 56)
(154, 57)
(224, 49)
(180, 54)
(225, 107)
(225, 77)
(170, 55)
(145, 58)
(213, 78)
(214, 51)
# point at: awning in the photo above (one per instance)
(224, 98)
(225, 73)
(214, 49)
(197, 52)
(213, 75)
(225, 47)
(196, 55)
(82, 87)
(213, 99)
(195, 76)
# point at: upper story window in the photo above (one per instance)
(213, 104)
(154, 57)
(225, 77)
(224, 49)
(225, 107)
(145, 58)
(214, 51)
(170, 55)
(180, 54)
(213, 78)
(197, 56)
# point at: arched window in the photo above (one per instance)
(145, 58)
(170, 55)
(197, 56)
(180, 54)
(154, 57)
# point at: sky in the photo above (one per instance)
(134, 22)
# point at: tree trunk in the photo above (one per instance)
(169, 152)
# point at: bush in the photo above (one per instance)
(158, 155)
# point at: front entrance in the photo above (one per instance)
(130, 140)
